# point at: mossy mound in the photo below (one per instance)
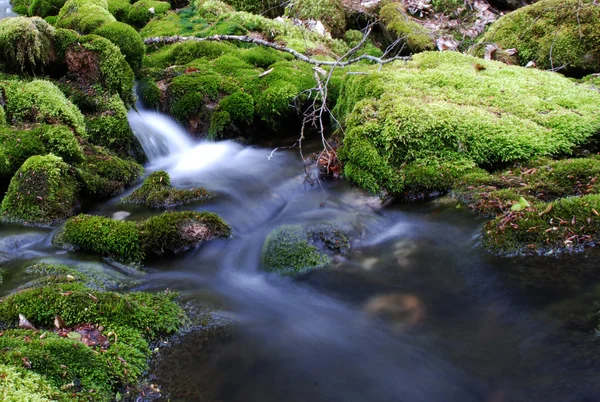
(40, 101)
(553, 33)
(156, 192)
(26, 45)
(398, 24)
(289, 250)
(92, 276)
(127, 39)
(330, 12)
(43, 191)
(18, 385)
(420, 125)
(84, 16)
(131, 242)
(538, 207)
(142, 11)
(269, 8)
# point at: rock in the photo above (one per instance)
(27, 45)
(398, 24)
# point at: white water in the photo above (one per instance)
(5, 9)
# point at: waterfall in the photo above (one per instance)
(159, 135)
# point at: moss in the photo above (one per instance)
(17, 385)
(26, 44)
(288, 250)
(119, 9)
(399, 25)
(15, 147)
(61, 141)
(354, 37)
(156, 192)
(43, 191)
(240, 107)
(330, 12)
(130, 242)
(149, 93)
(2, 116)
(84, 16)
(438, 108)
(40, 101)
(270, 8)
(554, 33)
(139, 13)
(49, 273)
(127, 39)
(45, 8)
(63, 38)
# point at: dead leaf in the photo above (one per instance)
(24, 323)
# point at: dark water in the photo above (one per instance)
(414, 312)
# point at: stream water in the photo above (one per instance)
(414, 312)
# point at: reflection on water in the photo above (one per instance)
(415, 312)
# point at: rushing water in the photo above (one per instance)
(5, 9)
(414, 312)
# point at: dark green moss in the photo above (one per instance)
(287, 250)
(45, 8)
(149, 93)
(139, 13)
(127, 39)
(240, 107)
(43, 191)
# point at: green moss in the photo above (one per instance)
(172, 232)
(271, 8)
(17, 385)
(156, 192)
(61, 141)
(330, 12)
(139, 13)
(119, 9)
(15, 147)
(240, 107)
(2, 116)
(26, 44)
(45, 8)
(43, 191)
(63, 38)
(127, 39)
(553, 33)
(149, 93)
(400, 25)
(84, 16)
(438, 108)
(288, 250)
(40, 101)
(49, 273)
(130, 242)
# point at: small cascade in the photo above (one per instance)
(6, 10)
(159, 135)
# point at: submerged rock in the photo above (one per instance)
(156, 192)
(132, 242)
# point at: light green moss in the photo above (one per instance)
(400, 25)
(288, 250)
(553, 33)
(43, 191)
(84, 16)
(26, 44)
(438, 108)
(61, 141)
(18, 385)
(40, 101)
(127, 39)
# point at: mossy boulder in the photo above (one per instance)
(40, 101)
(330, 12)
(542, 206)
(26, 45)
(294, 249)
(156, 192)
(553, 33)
(84, 16)
(127, 39)
(43, 191)
(398, 24)
(142, 11)
(420, 125)
(132, 242)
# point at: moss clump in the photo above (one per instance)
(91, 276)
(26, 44)
(439, 109)
(289, 251)
(84, 16)
(131, 242)
(43, 191)
(553, 33)
(140, 12)
(399, 25)
(149, 93)
(61, 141)
(17, 385)
(40, 101)
(330, 12)
(127, 39)
(156, 192)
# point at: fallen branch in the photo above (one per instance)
(166, 40)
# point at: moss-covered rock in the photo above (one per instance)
(156, 192)
(127, 39)
(40, 101)
(84, 16)
(398, 24)
(330, 12)
(131, 242)
(423, 124)
(142, 11)
(553, 33)
(289, 250)
(19, 384)
(26, 44)
(43, 191)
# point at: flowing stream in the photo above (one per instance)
(414, 312)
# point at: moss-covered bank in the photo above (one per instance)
(132, 242)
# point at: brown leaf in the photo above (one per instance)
(58, 322)
(24, 323)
